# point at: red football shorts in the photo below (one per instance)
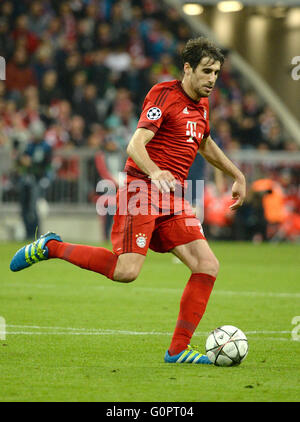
(140, 222)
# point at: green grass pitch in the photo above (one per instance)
(73, 335)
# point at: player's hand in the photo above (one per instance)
(163, 180)
(238, 193)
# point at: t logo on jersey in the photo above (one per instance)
(191, 128)
(191, 131)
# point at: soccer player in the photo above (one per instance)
(173, 127)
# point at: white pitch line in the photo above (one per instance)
(268, 332)
(61, 333)
(40, 333)
(225, 292)
(263, 294)
(115, 331)
(86, 331)
(100, 332)
(162, 290)
(39, 327)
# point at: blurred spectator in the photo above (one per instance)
(176, 25)
(43, 60)
(96, 142)
(19, 133)
(250, 223)
(54, 33)
(118, 60)
(223, 133)
(77, 131)
(236, 119)
(38, 18)
(250, 132)
(122, 121)
(87, 107)
(92, 14)
(282, 222)
(68, 20)
(218, 217)
(33, 168)
(84, 35)
(62, 113)
(6, 40)
(71, 66)
(275, 138)
(99, 72)
(49, 91)
(56, 136)
(77, 88)
(291, 146)
(164, 70)
(7, 13)
(103, 36)
(119, 23)
(31, 111)
(136, 49)
(251, 106)
(23, 35)
(19, 73)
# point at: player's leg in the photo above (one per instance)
(204, 266)
(128, 267)
(183, 236)
(123, 268)
(50, 245)
(130, 238)
(198, 256)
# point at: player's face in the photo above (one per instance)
(203, 78)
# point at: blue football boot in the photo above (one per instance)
(188, 355)
(33, 252)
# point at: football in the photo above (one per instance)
(226, 346)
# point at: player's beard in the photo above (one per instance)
(201, 92)
(204, 94)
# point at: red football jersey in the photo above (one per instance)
(179, 124)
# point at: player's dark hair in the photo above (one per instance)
(197, 48)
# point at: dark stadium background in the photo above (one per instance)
(76, 75)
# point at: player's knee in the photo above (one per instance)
(215, 266)
(128, 267)
(127, 275)
(210, 266)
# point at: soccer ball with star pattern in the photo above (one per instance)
(226, 346)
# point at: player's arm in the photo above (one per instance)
(136, 149)
(215, 156)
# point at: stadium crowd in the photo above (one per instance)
(76, 76)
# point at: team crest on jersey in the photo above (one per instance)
(141, 240)
(154, 113)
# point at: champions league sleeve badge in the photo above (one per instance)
(154, 113)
